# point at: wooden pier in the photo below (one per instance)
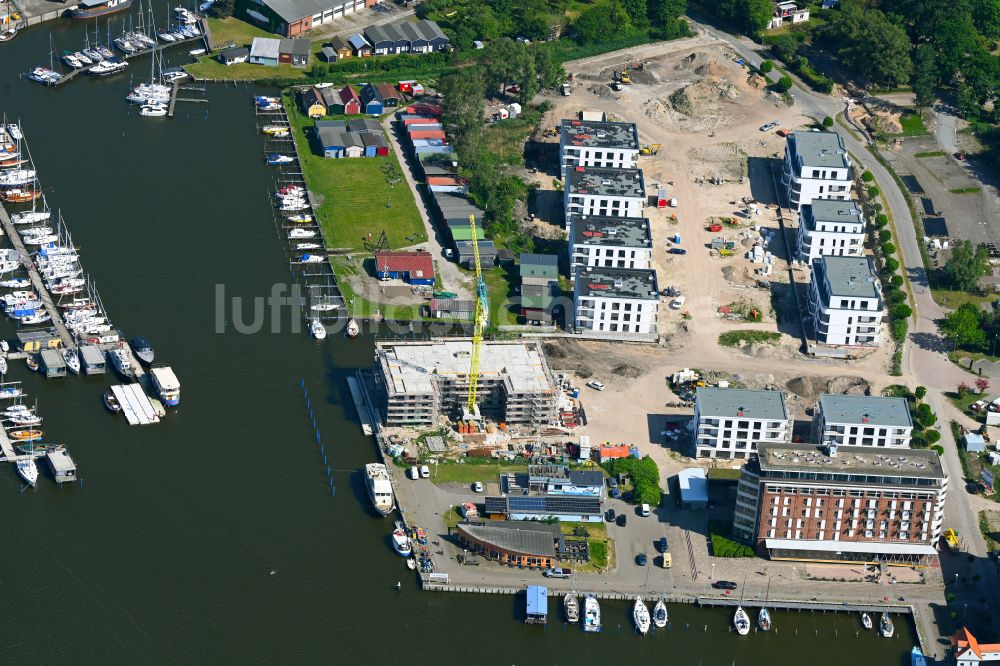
(175, 89)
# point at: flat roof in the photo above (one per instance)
(830, 546)
(819, 149)
(694, 484)
(606, 182)
(412, 367)
(868, 460)
(748, 403)
(599, 134)
(866, 410)
(850, 277)
(831, 211)
(538, 600)
(618, 231)
(61, 460)
(634, 283)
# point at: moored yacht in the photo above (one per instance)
(122, 364)
(660, 614)
(379, 487)
(143, 350)
(640, 615)
(591, 614)
(28, 471)
(885, 626)
(72, 360)
(401, 541)
(741, 621)
(317, 329)
(167, 386)
(571, 607)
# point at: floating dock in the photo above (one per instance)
(136, 405)
(359, 404)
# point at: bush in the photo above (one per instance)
(891, 265)
(867, 176)
(783, 85)
(925, 416)
(899, 328)
(901, 311)
(896, 296)
(888, 248)
(828, 122)
(724, 547)
(766, 66)
(873, 192)
(877, 207)
(932, 436)
(920, 392)
(896, 281)
(884, 236)
(881, 220)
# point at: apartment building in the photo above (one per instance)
(604, 192)
(816, 166)
(616, 301)
(731, 423)
(598, 144)
(808, 502)
(609, 242)
(845, 302)
(861, 420)
(830, 228)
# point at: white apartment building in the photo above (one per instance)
(729, 422)
(787, 13)
(845, 302)
(597, 144)
(861, 420)
(608, 242)
(816, 166)
(616, 301)
(830, 228)
(604, 192)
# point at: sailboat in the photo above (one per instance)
(640, 615)
(660, 614)
(317, 329)
(764, 616)
(885, 626)
(28, 470)
(72, 360)
(740, 619)
(866, 621)
(353, 329)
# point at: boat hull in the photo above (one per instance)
(100, 11)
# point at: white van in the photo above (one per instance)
(413, 473)
(425, 471)
(644, 510)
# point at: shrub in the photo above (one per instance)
(884, 236)
(896, 296)
(783, 85)
(899, 328)
(645, 477)
(896, 281)
(877, 207)
(888, 248)
(881, 220)
(901, 311)
(873, 192)
(828, 122)
(766, 66)
(920, 392)
(867, 176)
(939, 449)
(724, 547)
(891, 265)
(932, 436)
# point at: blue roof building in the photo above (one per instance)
(538, 604)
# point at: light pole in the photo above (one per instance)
(712, 575)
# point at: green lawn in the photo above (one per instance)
(732, 338)
(930, 153)
(234, 30)
(240, 33)
(360, 307)
(912, 124)
(963, 402)
(966, 190)
(600, 547)
(949, 298)
(470, 473)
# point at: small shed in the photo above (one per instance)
(349, 104)
(53, 364)
(359, 46)
(974, 443)
(92, 360)
(234, 56)
(371, 100)
(294, 52)
(390, 98)
(375, 145)
(694, 488)
(538, 605)
(328, 54)
(607, 453)
(33, 341)
(661, 199)
(342, 48)
(62, 466)
(452, 308)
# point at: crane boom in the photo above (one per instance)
(479, 321)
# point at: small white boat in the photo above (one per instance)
(400, 541)
(14, 131)
(885, 626)
(660, 614)
(640, 615)
(352, 329)
(3, 366)
(301, 233)
(276, 159)
(764, 619)
(196, 52)
(4, 346)
(300, 218)
(312, 259)
(30, 216)
(324, 307)
(317, 329)
(591, 614)
(571, 607)
(72, 361)
(411, 564)
(741, 621)
(307, 246)
(28, 471)
(153, 110)
(866, 621)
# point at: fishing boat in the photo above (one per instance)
(591, 614)
(352, 329)
(111, 402)
(143, 350)
(400, 541)
(155, 110)
(885, 626)
(379, 487)
(72, 360)
(86, 9)
(741, 621)
(866, 621)
(276, 159)
(28, 470)
(317, 329)
(640, 615)
(660, 614)
(166, 384)
(26, 435)
(571, 607)
(917, 657)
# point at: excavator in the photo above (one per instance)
(650, 150)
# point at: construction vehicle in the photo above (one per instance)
(951, 538)
(624, 78)
(479, 322)
(565, 89)
(638, 66)
(650, 150)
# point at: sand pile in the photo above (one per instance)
(809, 388)
(704, 97)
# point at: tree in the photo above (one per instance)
(828, 122)
(766, 66)
(638, 13)
(986, 17)
(666, 15)
(901, 311)
(962, 328)
(755, 15)
(550, 72)
(966, 265)
(925, 416)
(463, 105)
(888, 248)
(221, 8)
(873, 192)
(884, 236)
(924, 75)
(601, 22)
(920, 392)
(869, 42)
(931, 436)
(867, 176)
(783, 85)
(982, 384)
(891, 265)
(896, 281)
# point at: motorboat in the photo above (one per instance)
(866, 621)
(660, 614)
(764, 619)
(26, 435)
(4, 346)
(917, 657)
(20, 195)
(28, 470)
(379, 487)
(120, 361)
(274, 129)
(44, 75)
(37, 318)
(317, 329)
(8, 34)
(14, 131)
(111, 402)
(301, 233)
(3, 366)
(25, 419)
(174, 74)
(312, 259)
(591, 614)
(16, 177)
(301, 218)
(72, 61)
(640, 615)
(323, 307)
(401, 541)
(12, 162)
(197, 52)
(143, 350)
(108, 67)
(885, 626)
(307, 246)
(15, 409)
(741, 621)
(411, 564)
(293, 206)
(276, 159)
(72, 360)
(31, 216)
(7, 392)
(352, 329)
(153, 110)
(167, 385)
(571, 607)
(264, 99)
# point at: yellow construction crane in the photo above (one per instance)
(479, 321)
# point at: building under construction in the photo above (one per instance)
(420, 382)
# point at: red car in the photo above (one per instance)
(960, 156)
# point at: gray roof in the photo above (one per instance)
(596, 134)
(299, 47)
(831, 211)
(381, 33)
(294, 10)
(372, 139)
(91, 355)
(357, 41)
(857, 460)
(539, 265)
(237, 52)
(331, 137)
(265, 47)
(819, 149)
(866, 410)
(601, 181)
(600, 230)
(633, 283)
(364, 125)
(335, 124)
(516, 537)
(485, 247)
(748, 403)
(586, 478)
(851, 277)
(337, 42)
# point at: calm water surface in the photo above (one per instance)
(166, 553)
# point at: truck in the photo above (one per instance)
(557, 572)
(565, 89)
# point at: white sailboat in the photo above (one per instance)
(885, 626)
(660, 614)
(72, 360)
(640, 615)
(764, 616)
(741, 621)
(28, 471)
(317, 329)
(866, 621)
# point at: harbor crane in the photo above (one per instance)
(481, 314)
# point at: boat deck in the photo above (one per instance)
(136, 405)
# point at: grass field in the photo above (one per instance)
(966, 190)
(360, 307)
(952, 299)
(930, 153)
(470, 473)
(240, 33)
(912, 124)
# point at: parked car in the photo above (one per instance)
(724, 585)
(609, 515)
(622, 521)
(597, 386)
(641, 559)
(769, 126)
(413, 473)
(612, 482)
(425, 471)
(662, 544)
(557, 572)
(615, 493)
(644, 510)
(677, 250)
(677, 303)
(477, 487)
(960, 156)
